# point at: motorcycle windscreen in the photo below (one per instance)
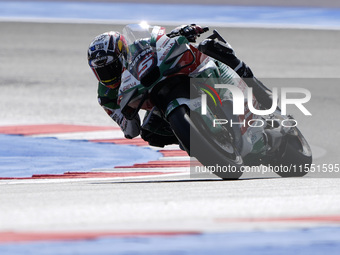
(133, 32)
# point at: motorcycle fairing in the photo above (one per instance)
(159, 57)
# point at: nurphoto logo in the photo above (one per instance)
(239, 104)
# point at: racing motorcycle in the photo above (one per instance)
(170, 74)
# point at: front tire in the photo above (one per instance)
(200, 142)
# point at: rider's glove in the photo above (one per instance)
(191, 32)
(130, 128)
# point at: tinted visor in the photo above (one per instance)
(110, 73)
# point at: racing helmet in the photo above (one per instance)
(106, 54)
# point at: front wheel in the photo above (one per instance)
(213, 151)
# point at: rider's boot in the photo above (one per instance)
(275, 134)
(156, 131)
(274, 139)
(224, 52)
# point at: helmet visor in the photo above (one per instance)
(109, 74)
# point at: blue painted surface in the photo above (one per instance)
(203, 14)
(24, 156)
(312, 241)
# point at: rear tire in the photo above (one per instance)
(200, 142)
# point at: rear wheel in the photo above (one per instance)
(213, 151)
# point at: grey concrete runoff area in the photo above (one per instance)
(44, 78)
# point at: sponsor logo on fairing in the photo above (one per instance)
(139, 56)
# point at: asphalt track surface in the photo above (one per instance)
(45, 79)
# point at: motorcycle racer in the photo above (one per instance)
(107, 57)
